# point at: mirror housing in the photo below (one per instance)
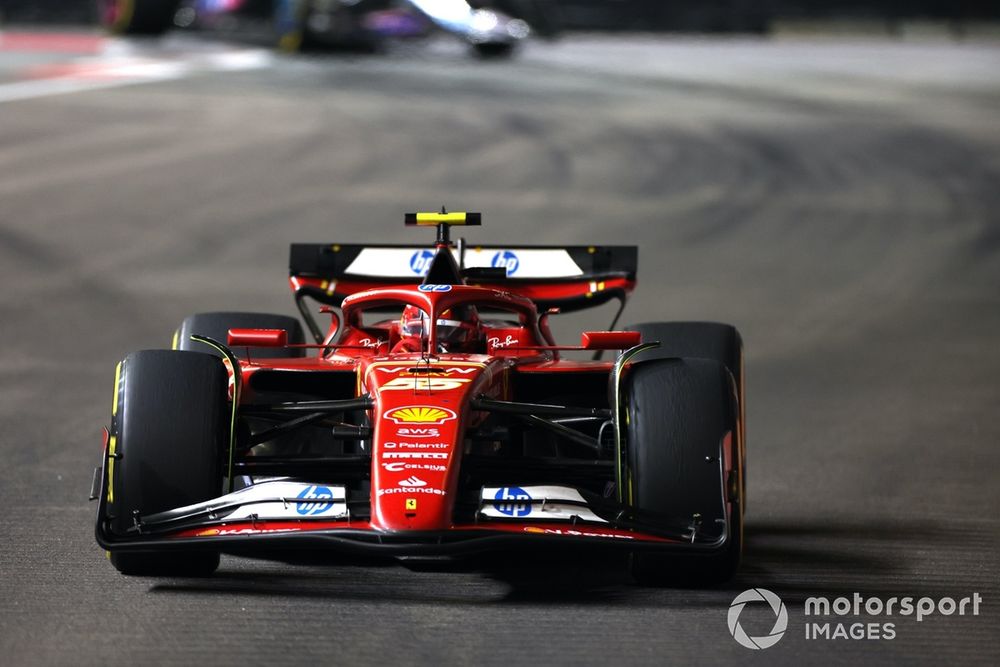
(335, 322)
(257, 338)
(610, 340)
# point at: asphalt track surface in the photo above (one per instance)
(838, 201)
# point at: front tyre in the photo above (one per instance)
(704, 340)
(681, 416)
(168, 429)
(137, 17)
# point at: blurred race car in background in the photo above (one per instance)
(434, 419)
(314, 24)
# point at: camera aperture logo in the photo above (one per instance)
(780, 618)
(822, 615)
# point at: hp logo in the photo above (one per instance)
(314, 493)
(507, 260)
(510, 501)
(420, 261)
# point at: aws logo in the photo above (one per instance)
(420, 414)
(418, 432)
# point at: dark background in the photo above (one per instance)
(645, 15)
(835, 198)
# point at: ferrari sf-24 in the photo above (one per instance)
(434, 418)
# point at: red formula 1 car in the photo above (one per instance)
(435, 418)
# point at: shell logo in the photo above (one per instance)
(420, 414)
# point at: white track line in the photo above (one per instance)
(117, 72)
(26, 90)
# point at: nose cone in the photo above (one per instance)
(418, 440)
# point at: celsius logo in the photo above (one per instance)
(780, 618)
(509, 500)
(420, 261)
(400, 466)
(505, 259)
(314, 492)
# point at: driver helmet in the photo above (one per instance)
(457, 328)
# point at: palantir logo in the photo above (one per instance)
(507, 260)
(510, 501)
(780, 620)
(317, 493)
(420, 261)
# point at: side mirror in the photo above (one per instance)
(257, 338)
(543, 325)
(610, 340)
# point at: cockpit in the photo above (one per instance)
(460, 320)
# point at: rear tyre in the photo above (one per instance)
(217, 326)
(679, 412)
(704, 340)
(493, 50)
(137, 17)
(169, 426)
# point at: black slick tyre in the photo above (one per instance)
(217, 326)
(680, 414)
(137, 17)
(493, 50)
(168, 427)
(703, 340)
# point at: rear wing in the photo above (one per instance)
(565, 277)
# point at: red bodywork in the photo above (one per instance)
(419, 418)
(423, 403)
